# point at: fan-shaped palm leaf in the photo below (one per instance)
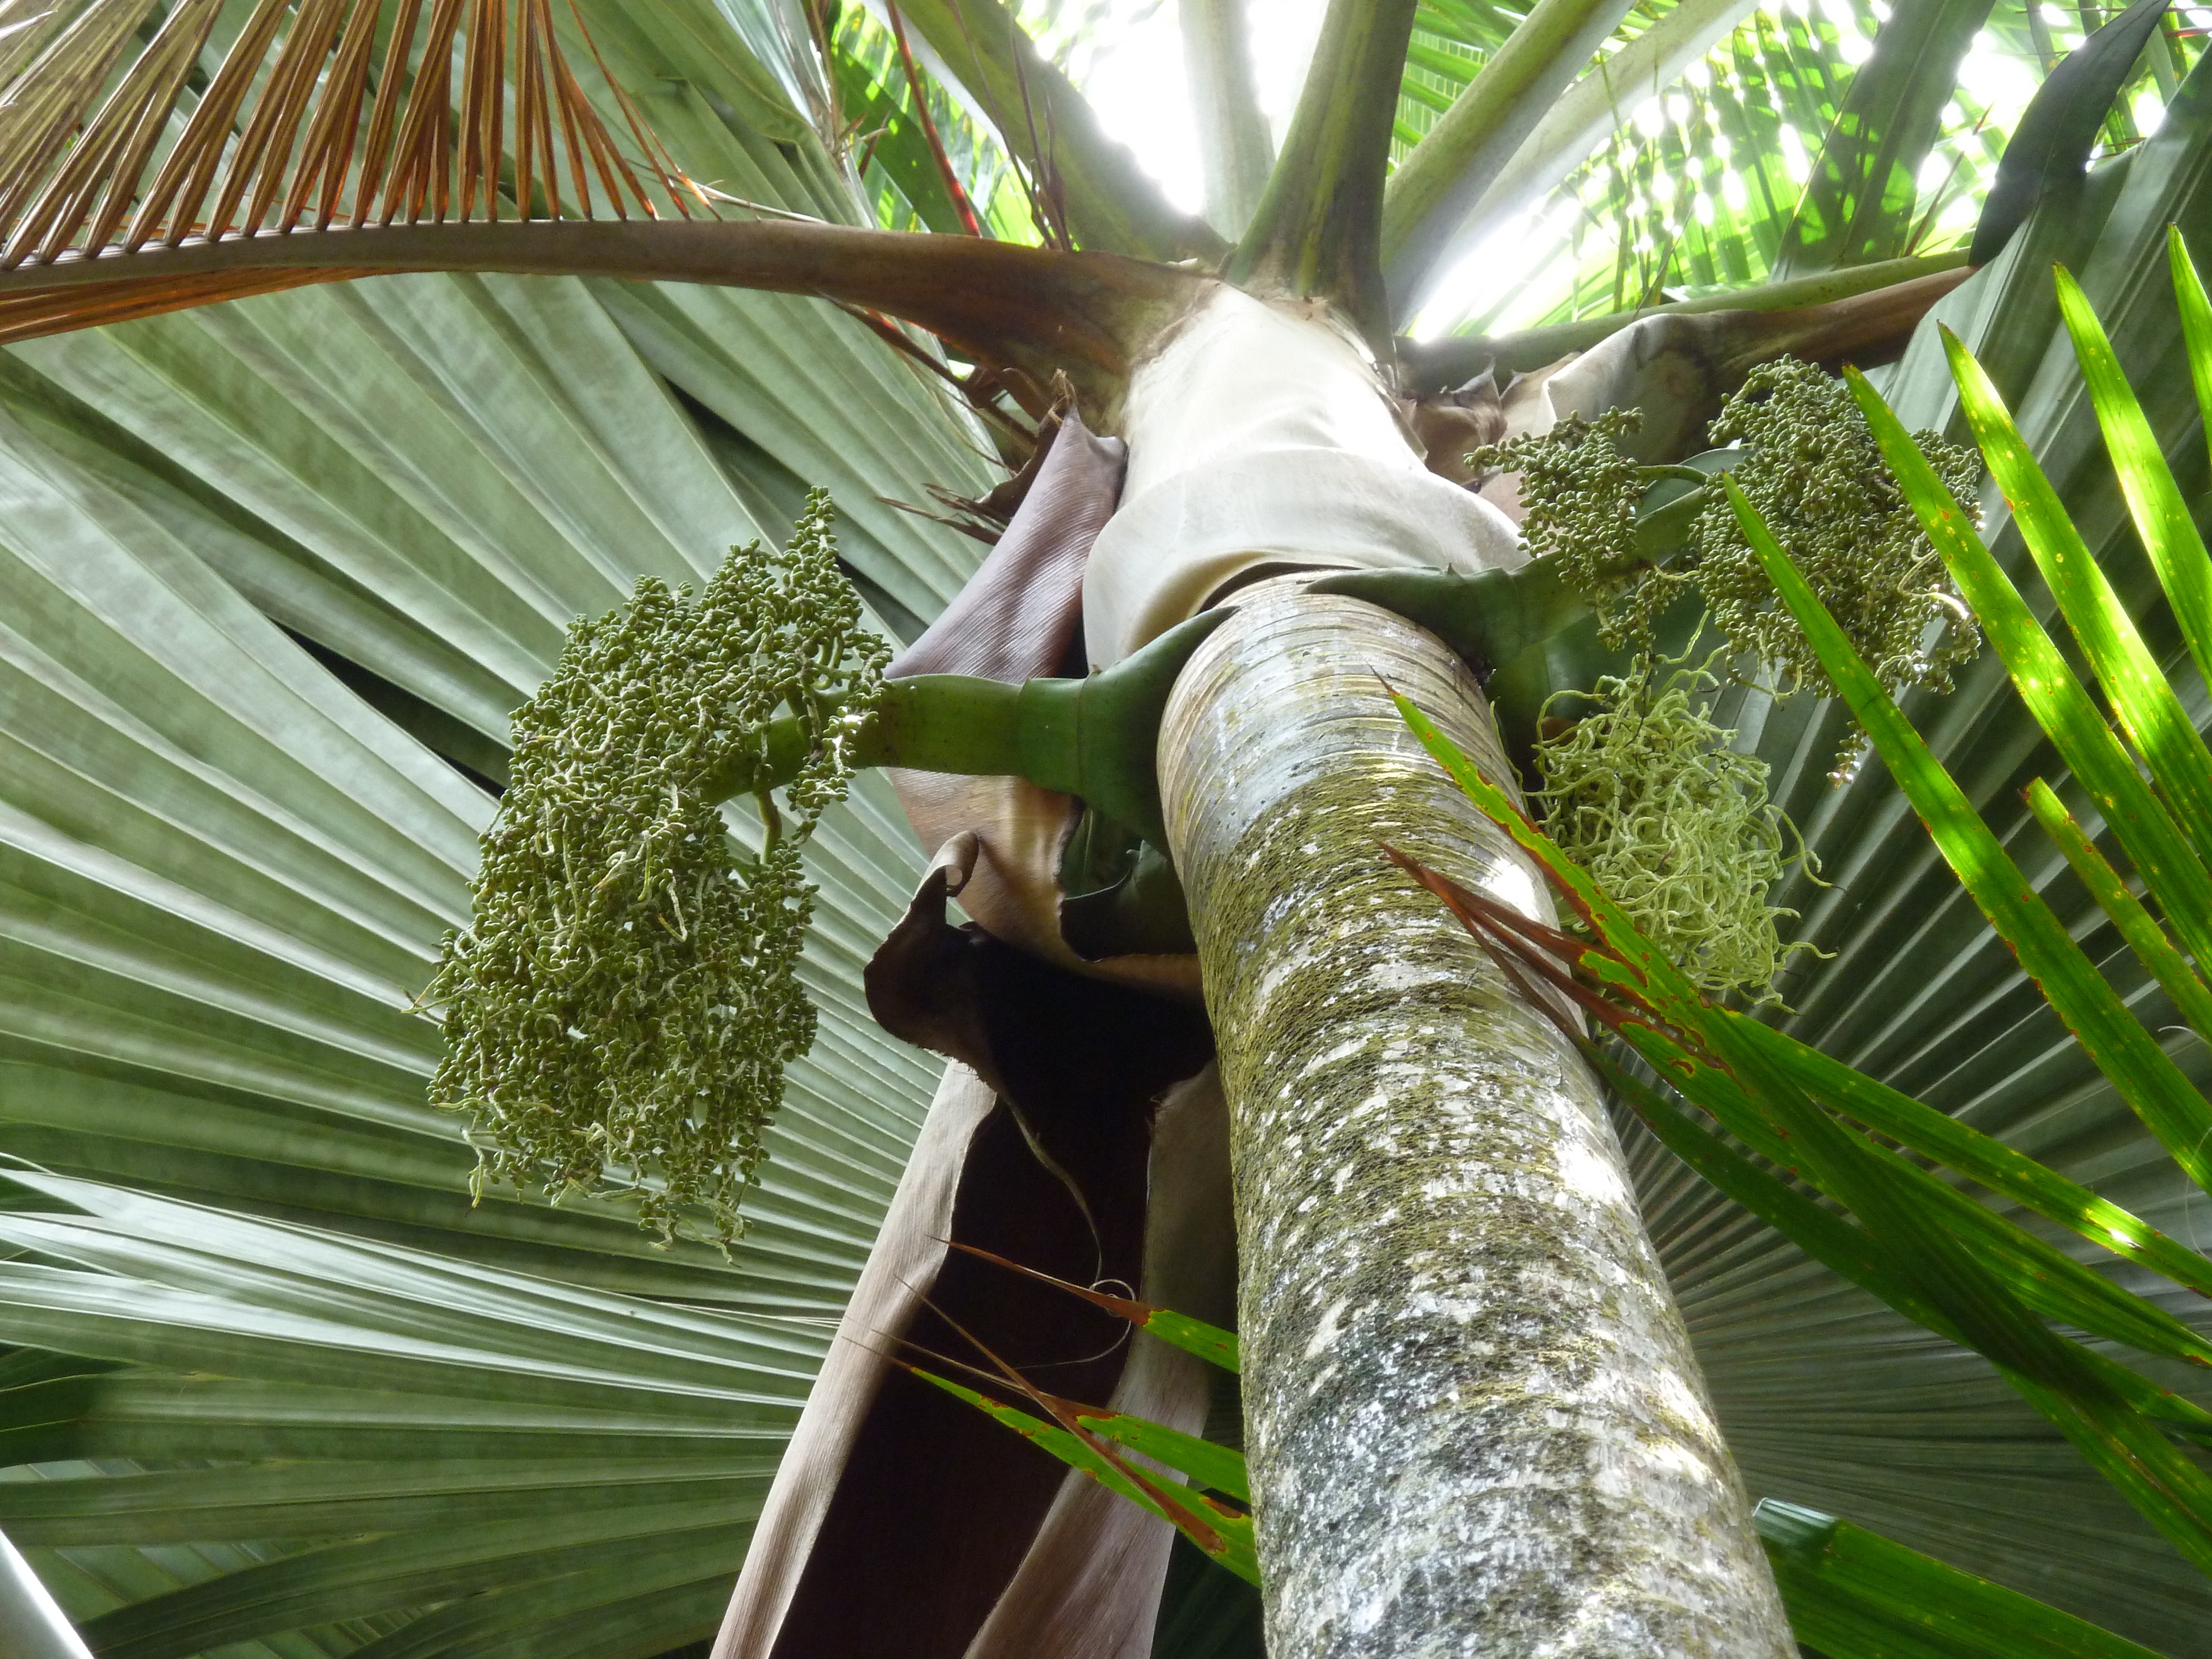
(423, 480)
(230, 866)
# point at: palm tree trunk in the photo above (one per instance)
(1474, 1422)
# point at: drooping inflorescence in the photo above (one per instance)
(1813, 470)
(619, 1014)
(1645, 792)
(1580, 492)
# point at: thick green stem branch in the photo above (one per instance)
(1092, 738)
(1318, 228)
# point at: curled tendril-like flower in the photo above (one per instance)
(1645, 792)
(619, 1014)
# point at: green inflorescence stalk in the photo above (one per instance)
(620, 1012)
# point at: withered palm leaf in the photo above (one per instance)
(300, 125)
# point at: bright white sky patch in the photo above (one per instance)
(1133, 76)
(1137, 83)
(1283, 35)
(1998, 82)
(1524, 247)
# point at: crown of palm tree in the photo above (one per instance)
(277, 570)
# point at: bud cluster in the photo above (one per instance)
(620, 1012)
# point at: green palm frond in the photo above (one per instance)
(513, 626)
(1758, 161)
(889, 142)
(1760, 1087)
(280, 570)
(394, 1428)
(1829, 1402)
(1959, 1028)
(232, 856)
(232, 872)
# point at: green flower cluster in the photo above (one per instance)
(1815, 472)
(620, 1012)
(1645, 794)
(1580, 494)
(1812, 468)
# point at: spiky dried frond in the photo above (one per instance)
(130, 124)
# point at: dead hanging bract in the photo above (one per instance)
(619, 1014)
(1645, 792)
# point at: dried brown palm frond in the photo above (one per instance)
(124, 127)
(156, 155)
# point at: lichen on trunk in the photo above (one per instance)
(1474, 1421)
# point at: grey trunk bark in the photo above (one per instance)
(1474, 1422)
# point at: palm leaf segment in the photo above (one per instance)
(462, 1432)
(225, 875)
(1925, 997)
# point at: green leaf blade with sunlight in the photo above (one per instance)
(2173, 971)
(1225, 1537)
(2173, 1110)
(2155, 500)
(1980, 1158)
(1901, 1251)
(2147, 708)
(1855, 1595)
(1862, 202)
